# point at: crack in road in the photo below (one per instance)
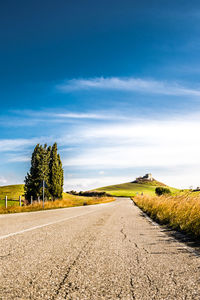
(124, 234)
(132, 287)
(149, 280)
(69, 269)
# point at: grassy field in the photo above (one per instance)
(14, 191)
(180, 211)
(131, 189)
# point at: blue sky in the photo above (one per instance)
(115, 83)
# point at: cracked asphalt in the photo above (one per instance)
(105, 251)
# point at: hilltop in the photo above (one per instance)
(148, 180)
(146, 185)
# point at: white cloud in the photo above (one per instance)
(83, 183)
(19, 158)
(42, 116)
(31, 118)
(163, 144)
(16, 144)
(94, 116)
(152, 143)
(129, 84)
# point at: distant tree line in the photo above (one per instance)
(90, 193)
(45, 165)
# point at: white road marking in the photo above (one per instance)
(43, 225)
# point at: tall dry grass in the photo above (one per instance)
(68, 201)
(181, 211)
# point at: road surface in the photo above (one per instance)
(104, 251)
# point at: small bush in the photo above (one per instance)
(161, 191)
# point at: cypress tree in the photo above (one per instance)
(45, 170)
(33, 178)
(54, 172)
(61, 177)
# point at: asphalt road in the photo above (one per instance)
(94, 252)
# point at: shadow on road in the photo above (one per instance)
(189, 241)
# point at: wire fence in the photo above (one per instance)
(8, 202)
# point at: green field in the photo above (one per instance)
(131, 189)
(12, 192)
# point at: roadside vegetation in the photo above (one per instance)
(67, 201)
(180, 211)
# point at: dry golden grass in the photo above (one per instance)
(181, 211)
(67, 201)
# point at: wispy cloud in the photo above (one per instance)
(86, 183)
(129, 84)
(145, 144)
(94, 116)
(32, 117)
(15, 145)
(19, 158)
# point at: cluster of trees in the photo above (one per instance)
(45, 165)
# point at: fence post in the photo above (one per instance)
(6, 202)
(20, 201)
(38, 199)
(31, 199)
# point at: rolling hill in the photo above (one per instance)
(131, 188)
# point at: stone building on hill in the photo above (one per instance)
(147, 177)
